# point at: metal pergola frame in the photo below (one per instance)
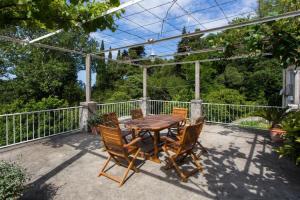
(130, 62)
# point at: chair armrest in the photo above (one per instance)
(169, 140)
(132, 142)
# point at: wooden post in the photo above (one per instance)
(144, 82)
(197, 80)
(88, 78)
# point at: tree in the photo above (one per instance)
(37, 73)
(49, 14)
(136, 52)
(233, 78)
(101, 71)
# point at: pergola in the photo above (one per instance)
(164, 38)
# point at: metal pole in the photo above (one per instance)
(220, 28)
(144, 82)
(88, 78)
(197, 80)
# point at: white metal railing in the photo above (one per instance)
(156, 107)
(245, 115)
(22, 127)
(122, 109)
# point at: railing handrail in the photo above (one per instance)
(171, 101)
(243, 105)
(39, 111)
(131, 101)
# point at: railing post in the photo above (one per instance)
(86, 111)
(196, 105)
(144, 105)
(144, 100)
(89, 107)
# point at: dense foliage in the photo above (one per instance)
(49, 14)
(12, 180)
(291, 146)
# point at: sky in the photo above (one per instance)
(155, 19)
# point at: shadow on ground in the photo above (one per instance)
(244, 167)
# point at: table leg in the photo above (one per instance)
(156, 149)
(133, 133)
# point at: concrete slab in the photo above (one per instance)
(241, 164)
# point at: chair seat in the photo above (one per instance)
(125, 132)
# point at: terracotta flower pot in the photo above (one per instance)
(276, 135)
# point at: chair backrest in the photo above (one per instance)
(136, 114)
(112, 139)
(182, 112)
(111, 120)
(189, 137)
(200, 120)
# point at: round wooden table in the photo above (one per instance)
(154, 124)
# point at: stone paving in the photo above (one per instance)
(241, 164)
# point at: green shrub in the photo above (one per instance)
(291, 145)
(274, 116)
(12, 180)
(94, 121)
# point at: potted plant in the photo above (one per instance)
(274, 116)
(93, 122)
(291, 144)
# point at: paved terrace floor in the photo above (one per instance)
(240, 165)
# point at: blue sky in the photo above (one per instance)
(144, 21)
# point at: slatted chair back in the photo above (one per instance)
(118, 151)
(111, 120)
(113, 141)
(136, 114)
(200, 120)
(182, 112)
(189, 138)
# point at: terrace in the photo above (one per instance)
(241, 162)
(63, 159)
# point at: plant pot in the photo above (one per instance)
(276, 135)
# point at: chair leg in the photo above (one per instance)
(195, 161)
(103, 168)
(202, 147)
(173, 162)
(131, 164)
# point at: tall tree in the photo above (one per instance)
(101, 71)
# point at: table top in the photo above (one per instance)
(154, 122)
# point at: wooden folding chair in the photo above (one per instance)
(138, 114)
(177, 151)
(201, 120)
(119, 151)
(182, 112)
(111, 120)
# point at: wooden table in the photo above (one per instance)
(154, 124)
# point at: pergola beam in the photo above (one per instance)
(110, 11)
(88, 83)
(210, 60)
(46, 46)
(197, 80)
(180, 54)
(221, 28)
(144, 82)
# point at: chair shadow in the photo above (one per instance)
(223, 177)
